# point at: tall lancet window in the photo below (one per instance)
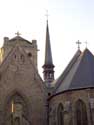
(16, 111)
(81, 113)
(60, 115)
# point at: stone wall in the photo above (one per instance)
(19, 76)
(68, 100)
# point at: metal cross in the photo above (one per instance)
(86, 43)
(18, 34)
(78, 42)
(46, 14)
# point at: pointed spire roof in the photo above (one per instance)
(48, 53)
(78, 74)
(48, 67)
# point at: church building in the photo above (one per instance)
(26, 99)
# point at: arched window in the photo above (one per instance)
(81, 113)
(17, 121)
(16, 110)
(60, 115)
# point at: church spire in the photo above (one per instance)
(48, 53)
(48, 64)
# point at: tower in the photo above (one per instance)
(30, 47)
(48, 67)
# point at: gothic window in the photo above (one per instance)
(16, 110)
(22, 58)
(60, 115)
(81, 113)
(50, 75)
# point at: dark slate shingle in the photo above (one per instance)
(78, 74)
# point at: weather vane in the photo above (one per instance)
(18, 34)
(78, 43)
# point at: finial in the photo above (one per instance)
(78, 43)
(86, 43)
(18, 34)
(47, 15)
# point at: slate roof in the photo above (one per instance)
(78, 74)
(48, 53)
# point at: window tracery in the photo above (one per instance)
(60, 115)
(16, 111)
(81, 113)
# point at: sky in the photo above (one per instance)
(69, 21)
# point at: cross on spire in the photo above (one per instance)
(46, 14)
(18, 34)
(86, 43)
(78, 43)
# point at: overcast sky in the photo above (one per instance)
(69, 21)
